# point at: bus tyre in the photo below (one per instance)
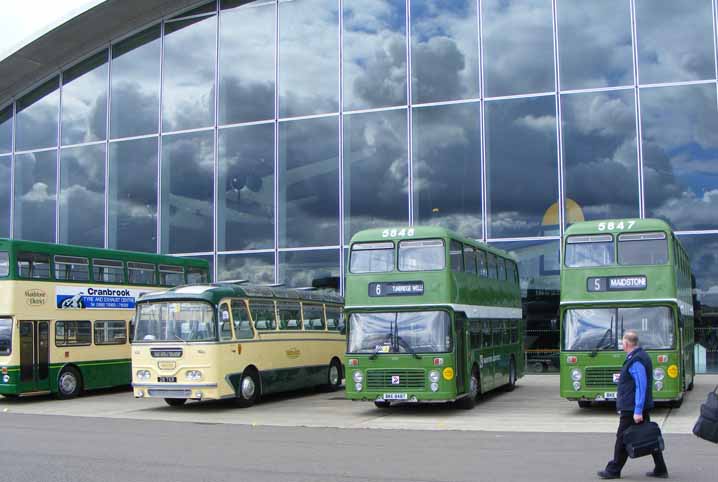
(382, 404)
(469, 401)
(248, 390)
(11, 395)
(676, 403)
(690, 385)
(175, 402)
(69, 383)
(512, 376)
(584, 404)
(334, 379)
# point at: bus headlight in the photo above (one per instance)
(434, 376)
(658, 385)
(357, 377)
(143, 374)
(577, 386)
(6, 378)
(434, 387)
(193, 375)
(576, 375)
(358, 387)
(659, 374)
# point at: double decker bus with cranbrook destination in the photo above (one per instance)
(619, 275)
(431, 316)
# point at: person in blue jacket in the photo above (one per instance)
(634, 401)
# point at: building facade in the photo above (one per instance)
(262, 134)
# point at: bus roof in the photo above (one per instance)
(98, 253)
(592, 227)
(215, 292)
(422, 232)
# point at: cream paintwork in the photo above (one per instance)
(267, 350)
(15, 304)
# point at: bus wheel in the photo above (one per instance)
(512, 376)
(175, 402)
(335, 375)
(676, 403)
(69, 383)
(584, 403)
(382, 404)
(248, 392)
(690, 385)
(469, 401)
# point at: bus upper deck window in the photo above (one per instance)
(469, 259)
(197, 276)
(33, 265)
(4, 264)
(422, 255)
(171, 275)
(72, 268)
(591, 250)
(108, 271)
(642, 248)
(141, 273)
(372, 257)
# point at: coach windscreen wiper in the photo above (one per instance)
(381, 345)
(400, 341)
(601, 343)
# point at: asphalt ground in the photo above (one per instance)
(534, 406)
(37, 448)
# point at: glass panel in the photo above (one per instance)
(313, 317)
(600, 155)
(309, 268)
(256, 268)
(374, 54)
(132, 195)
(35, 196)
(335, 319)
(522, 158)
(225, 324)
(444, 50)
(595, 47)
(188, 77)
(200, 275)
(210, 7)
(375, 147)
(171, 275)
(590, 329)
(675, 40)
(680, 145)
(84, 101)
(309, 183)
(135, 85)
(493, 274)
(4, 264)
(482, 264)
(33, 265)
(68, 268)
(456, 255)
(187, 192)
(36, 122)
(290, 316)
(139, 275)
(108, 271)
(585, 251)
(308, 57)
(82, 195)
(654, 326)
(110, 332)
(501, 268)
(703, 253)
(5, 195)
(447, 167)
(73, 333)
(175, 321)
(240, 318)
(518, 40)
(6, 130)
(641, 249)
(539, 280)
(5, 336)
(246, 61)
(263, 315)
(372, 258)
(415, 332)
(422, 255)
(246, 188)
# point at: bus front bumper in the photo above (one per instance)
(401, 396)
(195, 391)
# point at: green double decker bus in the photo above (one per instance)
(432, 317)
(619, 275)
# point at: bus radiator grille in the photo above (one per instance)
(601, 376)
(169, 393)
(381, 379)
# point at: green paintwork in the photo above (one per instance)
(442, 289)
(664, 282)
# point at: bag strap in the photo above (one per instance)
(715, 390)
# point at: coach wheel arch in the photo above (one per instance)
(335, 361)
(249, 389)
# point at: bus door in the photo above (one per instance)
(34, 355)
(460, 325)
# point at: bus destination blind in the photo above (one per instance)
(403, 288)
(617, 283)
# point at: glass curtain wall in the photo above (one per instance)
(262, 134)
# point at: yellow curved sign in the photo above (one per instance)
(673, 371)
(448, 373)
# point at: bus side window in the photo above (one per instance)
(514, 331)
(71, 268)
(108, 271)
(469, 259)
(501, 266)
(263, 315)
(506, 332)
(73, 333)
(313, 317)
(141, 273)
(486, 333)
(456, 256)
(110, 332)
(33, 265)
(197, 276)
(335, 319)
(225, 323)
(289, 316)
(475, 334)
(492, 265)
(171, 275)
(496, 329)
(481, 261)
(242, 327)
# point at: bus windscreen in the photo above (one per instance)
(586, 251)
(175, 321)
(422, 255)
(403, 332)
(372, 258)
(5, 336)
(642, 249)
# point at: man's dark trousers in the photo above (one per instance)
(620, 455)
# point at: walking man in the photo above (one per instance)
(634, 402)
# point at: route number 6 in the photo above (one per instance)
(393, 233)
(612, 225)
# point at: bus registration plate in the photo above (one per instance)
(609, 395)
(167, 379)
(395, 396)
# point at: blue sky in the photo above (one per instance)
(21, 20)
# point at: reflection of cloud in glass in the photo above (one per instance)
(82, 195)
(35, 196)
(6, 130)
(84, 101)
(302, 268)
(257, 268)
(36, 122)
(703, 253)
(5, 194)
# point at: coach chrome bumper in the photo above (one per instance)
(196, 391)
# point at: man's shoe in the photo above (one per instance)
(604, 474)
(657, 475)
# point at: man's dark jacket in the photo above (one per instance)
(626, 396)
